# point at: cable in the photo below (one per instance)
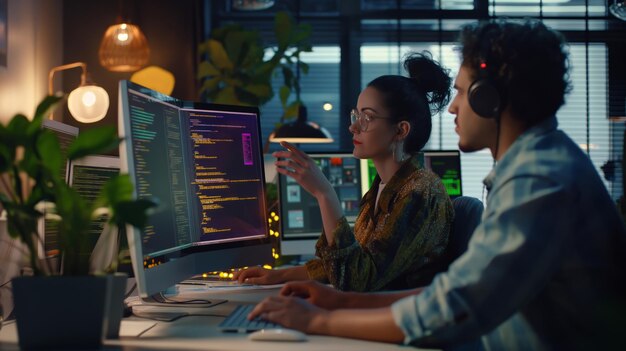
(132, 289)
(190, 302)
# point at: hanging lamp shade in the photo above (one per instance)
(301, 131)
(124, 48)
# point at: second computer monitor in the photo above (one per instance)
(447, 165)
(301, 220)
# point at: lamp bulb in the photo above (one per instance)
(88, 98)
(88, 103)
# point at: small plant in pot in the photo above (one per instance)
(78, 293)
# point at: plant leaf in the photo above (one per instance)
(260, 90)
(49, 149)
(284, 95)
(210, 85)
(93, 141)
(44, 108)
(304, 67)
(206, 69)
(292, 110)
(227, 96)
(218, 55)
(135, 212)
(117, 189)
(17, 129)
(6, 157)
(282, 28)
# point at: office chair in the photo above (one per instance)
(468, 212)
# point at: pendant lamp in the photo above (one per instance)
(124, 48)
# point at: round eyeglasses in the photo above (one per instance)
(363, 119)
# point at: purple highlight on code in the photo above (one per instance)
(246, 142)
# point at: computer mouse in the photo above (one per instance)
(277, 335)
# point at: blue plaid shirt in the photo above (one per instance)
(543, 270)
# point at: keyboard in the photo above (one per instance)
(238, 321)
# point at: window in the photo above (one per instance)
(322, 86)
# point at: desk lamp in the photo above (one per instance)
(88, 103)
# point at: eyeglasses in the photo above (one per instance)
(363, 119)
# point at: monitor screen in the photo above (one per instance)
(66, 134)
(203, 164)
(444, 163)
(88, 176)
(301, 221)
(447, 165)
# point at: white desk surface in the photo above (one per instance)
(201, 333)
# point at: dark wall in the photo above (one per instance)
(171, 27)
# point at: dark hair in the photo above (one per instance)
(528, 63)
(414, 99)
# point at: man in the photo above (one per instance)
(545, 268)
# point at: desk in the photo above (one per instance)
(201, 333)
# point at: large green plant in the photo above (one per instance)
(235, 71)
(30, 168)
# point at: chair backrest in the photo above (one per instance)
(468, 212)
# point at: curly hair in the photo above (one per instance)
(414, 99)
(528, 63)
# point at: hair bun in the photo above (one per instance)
(431, 78)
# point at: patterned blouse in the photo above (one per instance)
(400, 246)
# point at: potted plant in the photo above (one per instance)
(234, 71)
(31, 186)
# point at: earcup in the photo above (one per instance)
(484, 98)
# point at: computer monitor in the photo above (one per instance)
(66, 134)
(301, 220)
(203, 164)
(88, 176)
(444, 163)
(447, 165)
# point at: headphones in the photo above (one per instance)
(483, 95)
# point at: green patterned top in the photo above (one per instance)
(400, 246)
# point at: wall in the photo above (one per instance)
(34, 45)
(169, 26)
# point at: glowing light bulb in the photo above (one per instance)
(89, 99)
(327, 106)
(123, 36)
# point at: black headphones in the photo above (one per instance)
(483, 95)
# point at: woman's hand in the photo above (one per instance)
(299, 166)
(290, 312)
(316, 293)
(258, 276)
(262, 276)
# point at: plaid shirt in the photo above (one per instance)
(544, 269)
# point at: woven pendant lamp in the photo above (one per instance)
(124, 48)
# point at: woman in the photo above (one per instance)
(401, 232)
